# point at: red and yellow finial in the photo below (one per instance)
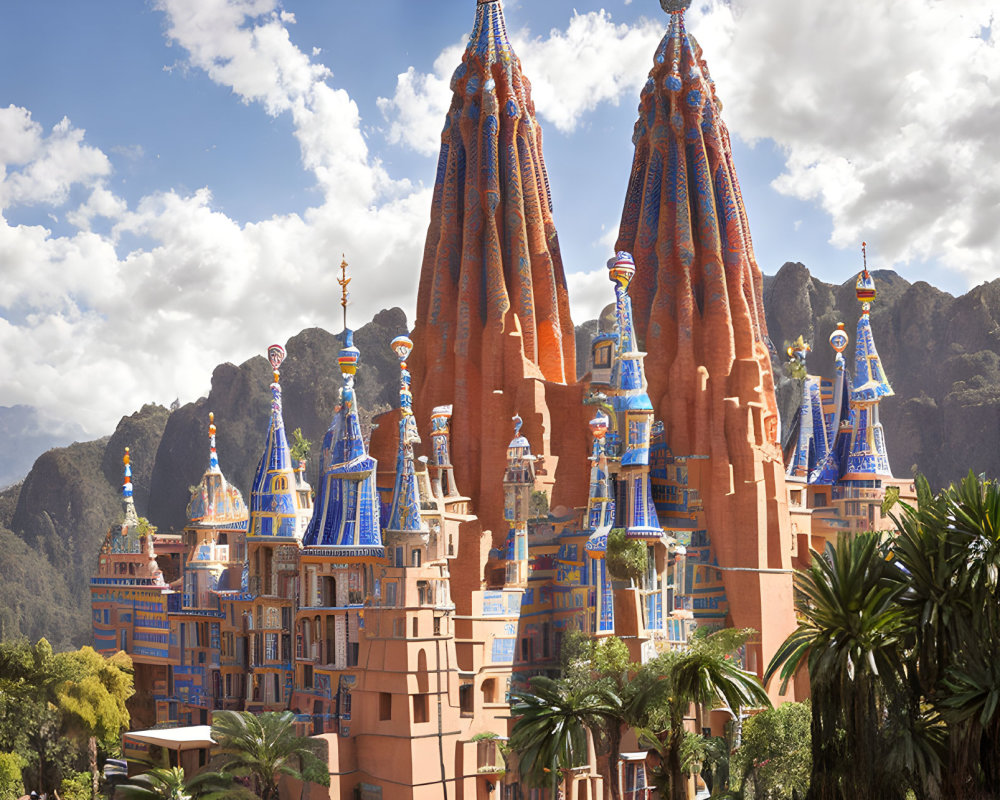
(865, 286)
(127, 483)
(343, 280)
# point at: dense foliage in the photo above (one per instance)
(901, 638)
(61, 712)
(601, 694)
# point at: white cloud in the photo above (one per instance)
(417, 110)
(35, 168)
(593, 61)
(82, 321)
(887, 114)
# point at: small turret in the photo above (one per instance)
(632, 409)
(600, 518)
(404, 514)
(868, 456)
(276, 510)
(215, 503)
(518, 484)
(345, 519)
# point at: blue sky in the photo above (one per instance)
(179, 178)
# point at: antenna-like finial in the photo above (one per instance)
(865, 286)
(343, 280)
(127, 483)
(213, 457)
(517, 424)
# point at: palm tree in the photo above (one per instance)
(162, 783)
(708, 675)
(265, 747)
(850, 633)
(948, 550)
(554, 727)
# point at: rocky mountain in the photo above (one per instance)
(942, 355)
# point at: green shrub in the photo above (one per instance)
(626, 558)
(76, 786)
(11, 786)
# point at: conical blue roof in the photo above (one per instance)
(345, 521)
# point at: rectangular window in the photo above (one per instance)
(437, 626)
(384, 705)
(390, 593)
(420, 708)
(398, 561)
(271, 646)
(465, 699)
(415, 557)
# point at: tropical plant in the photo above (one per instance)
(264, 747)
(850, 634)
(171, 783)
(948, 551)
(706, 675)
(553, 728)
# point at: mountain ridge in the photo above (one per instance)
(941, 353)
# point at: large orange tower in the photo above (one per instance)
(699, 316)
(493, 334)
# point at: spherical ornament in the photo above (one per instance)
(838, 339)
(599, 426)
(674, 6)
(276, 355)
(621, 268)
(401, 346)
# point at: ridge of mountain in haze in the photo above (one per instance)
(941, 353)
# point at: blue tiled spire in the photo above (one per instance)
(273, 510)
(632, 408)
(811, 446)
(345, 521)
(838, 425)
(868, 454)
(404, 514)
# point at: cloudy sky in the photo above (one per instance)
(179, 178)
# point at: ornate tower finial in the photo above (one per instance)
(131, 518)
(213, 456)
(675, 6)
(865, 287)
(127, 485)
(404, 513)
(343, 280)
(839, 339)
(518, 422)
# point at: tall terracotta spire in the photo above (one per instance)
(697, 293)
(492, 267)
(698, 310)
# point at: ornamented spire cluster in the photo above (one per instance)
(215, 502)
(843, 440)
(405, 510)
(128, 503)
